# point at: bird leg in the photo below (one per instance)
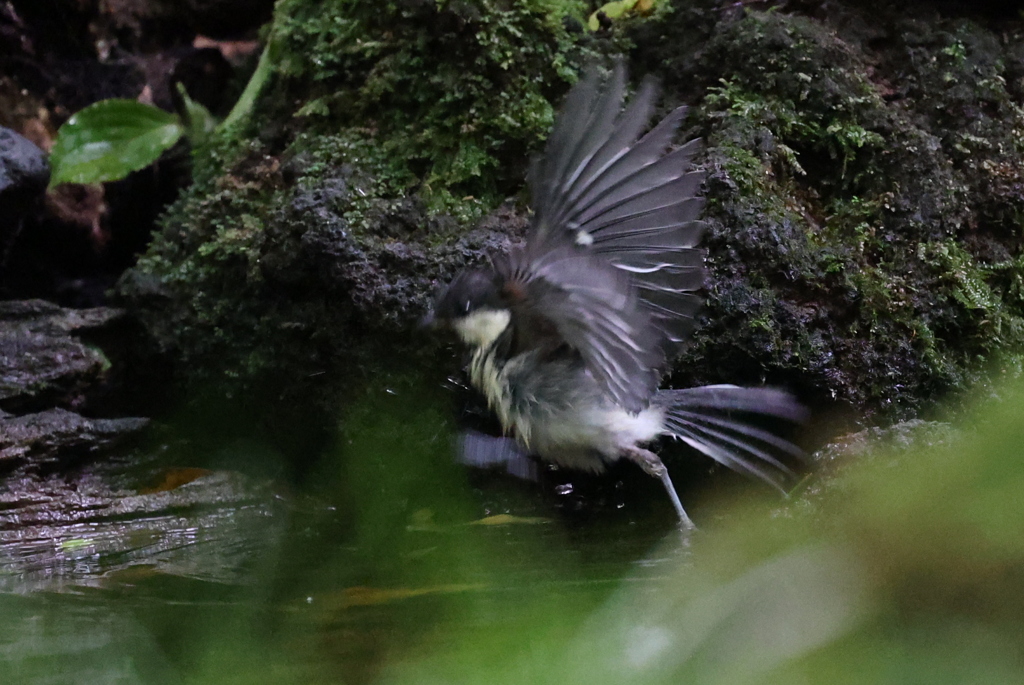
(652, 465)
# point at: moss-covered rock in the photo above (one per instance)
(863, 182)
(319, 226)
(864, 196)
(453, 93)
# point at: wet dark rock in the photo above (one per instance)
(23, 165)
(893, 444)
(386, 270)
(44, 364)
(43, 361)
(332, 298)
(58, 435)
(915, 434)
(97, 526)
(24, 173)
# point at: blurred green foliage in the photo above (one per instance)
(907, 568)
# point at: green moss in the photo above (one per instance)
(804, 92)
(864, 199)
(455, 92)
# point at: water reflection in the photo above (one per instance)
(79, 529)
(64, 639)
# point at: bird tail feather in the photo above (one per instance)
(727, 423)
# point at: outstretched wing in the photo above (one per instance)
(603, 188)
(576, 298)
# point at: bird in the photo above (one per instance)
(571, 332)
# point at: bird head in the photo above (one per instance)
(473, 307)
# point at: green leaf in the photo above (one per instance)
(317, 107)
(612, 10)
(199, 122)
(109, 139)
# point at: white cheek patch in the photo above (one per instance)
(482, 327)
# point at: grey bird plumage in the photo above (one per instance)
(572, 332)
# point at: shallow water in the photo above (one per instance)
(147, 568)
(331, 619)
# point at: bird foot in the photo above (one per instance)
(652, 465)
(647, 460)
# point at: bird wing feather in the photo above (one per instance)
(593, 308)
(603, 189)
